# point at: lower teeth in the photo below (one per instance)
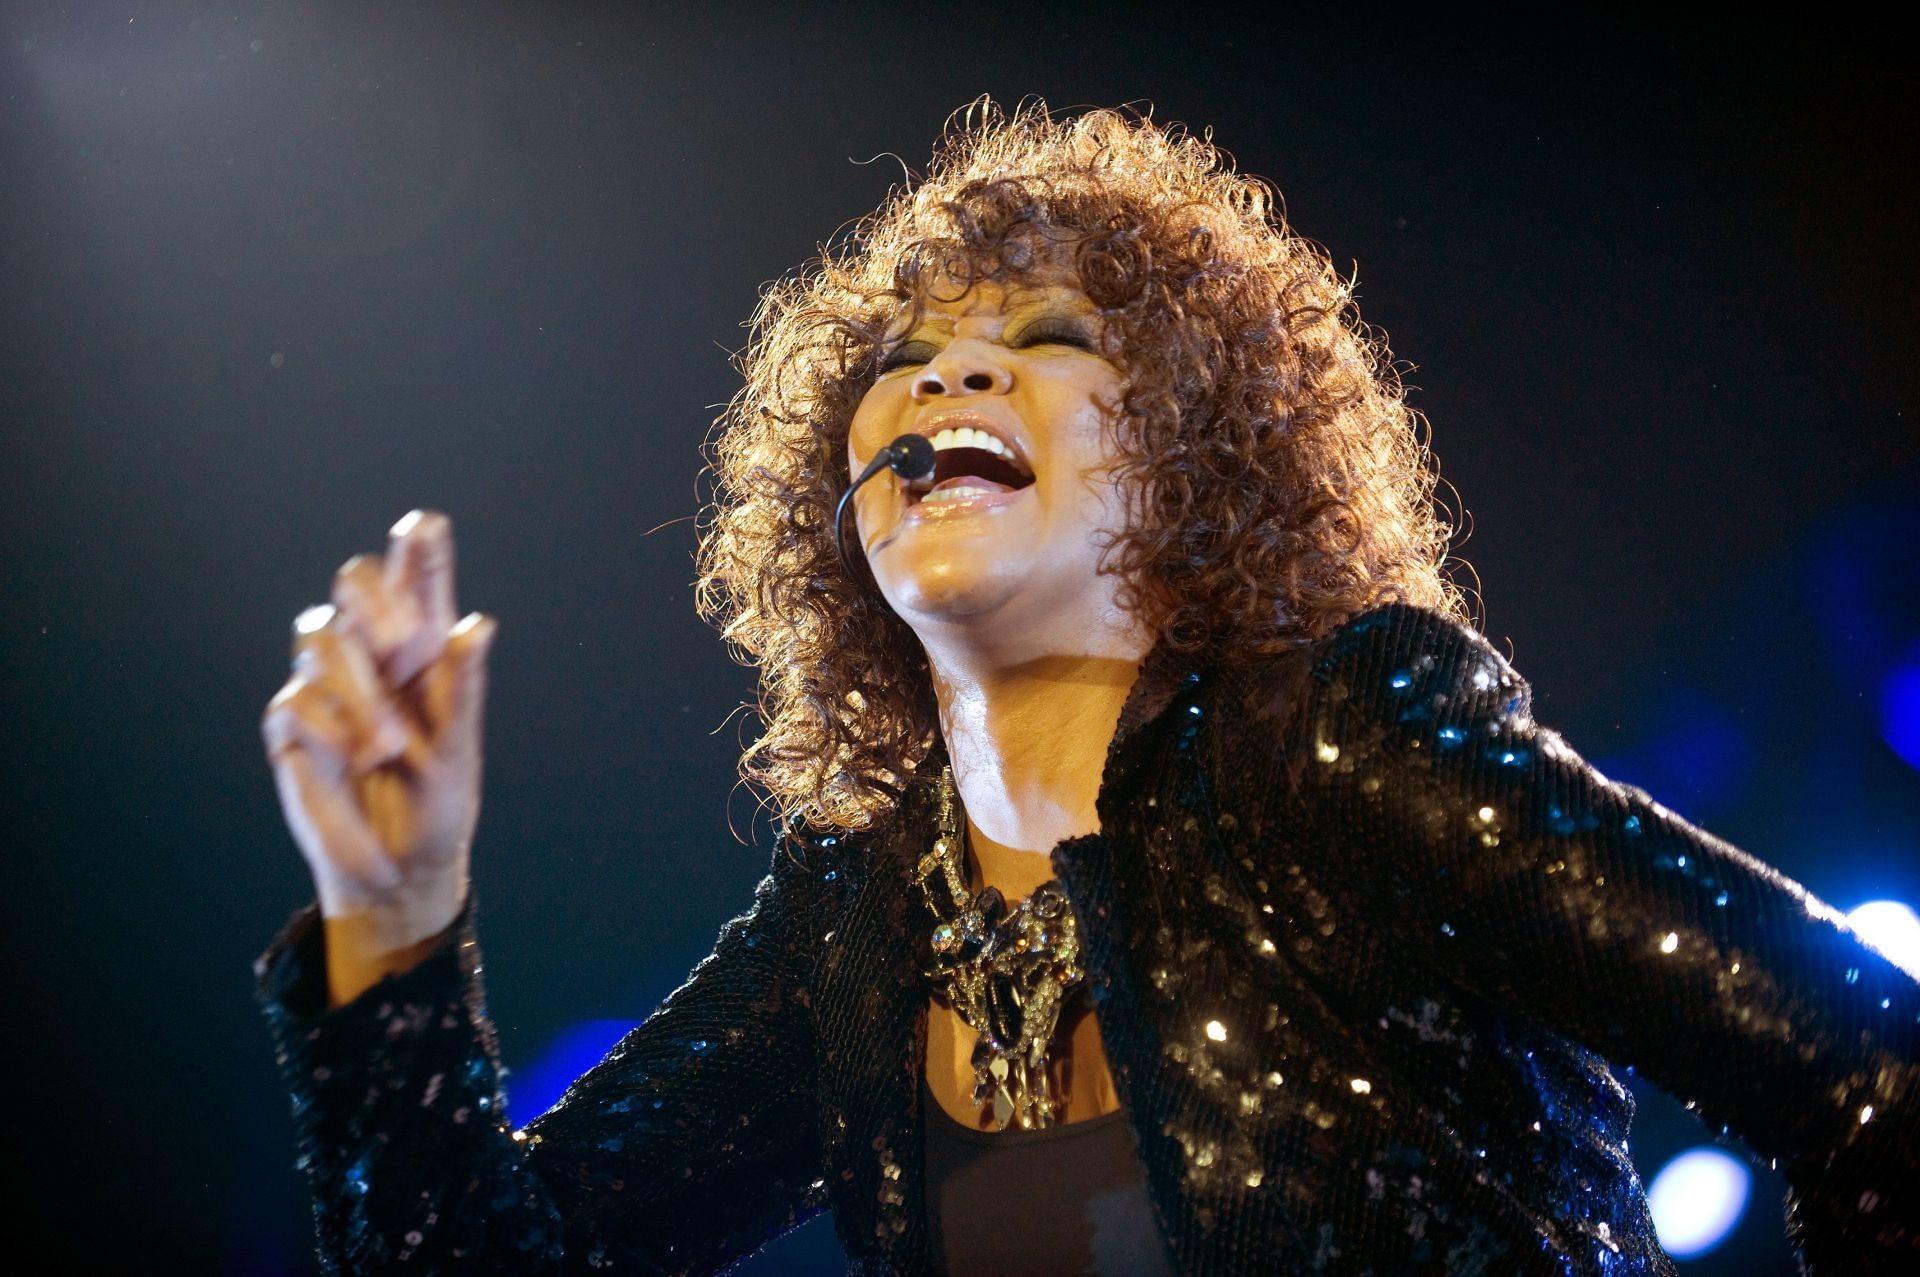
(953, 494)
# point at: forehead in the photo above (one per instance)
(946, 301)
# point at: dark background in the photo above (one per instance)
(272, 275)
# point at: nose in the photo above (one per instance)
(964, 367)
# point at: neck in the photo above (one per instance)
(1027, 734)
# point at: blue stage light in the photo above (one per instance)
(1893, 929)
(533, 1089)
(1708, 758)
(1900, 711)
(1696, 1200)
(1696, 758)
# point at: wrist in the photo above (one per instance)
(424, 905)
(371, 938)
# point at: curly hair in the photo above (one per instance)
(1275, 481)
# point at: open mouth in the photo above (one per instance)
(969, 462)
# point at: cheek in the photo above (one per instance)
(1089, 446)
(869, 431)
(1088, 487)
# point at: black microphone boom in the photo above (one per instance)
(910, 456)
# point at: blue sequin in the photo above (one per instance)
(355, 1175)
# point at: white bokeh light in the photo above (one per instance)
(1696, 1199)
(1892, 928)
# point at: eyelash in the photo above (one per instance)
(901, 357)
(1040, 333)
(1054, 332)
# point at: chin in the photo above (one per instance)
(951, 588)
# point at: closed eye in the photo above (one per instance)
(1042, 332)
(1055, 332)
(905, 355)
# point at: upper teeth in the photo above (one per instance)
(968, 437)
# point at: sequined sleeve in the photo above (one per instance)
(1484, 846)
(691, 1144)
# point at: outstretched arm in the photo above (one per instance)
(1512, 865)
(691, 1144)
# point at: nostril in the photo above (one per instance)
(978, 381)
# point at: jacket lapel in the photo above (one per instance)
(872, 1015)
(872, 1009)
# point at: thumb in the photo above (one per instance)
(456, 685)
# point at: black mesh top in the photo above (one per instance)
(1068, 1200)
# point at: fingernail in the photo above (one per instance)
(309, 623)
(314, 619)
(478, 624)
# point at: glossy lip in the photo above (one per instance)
(940, 511)
(952, 419)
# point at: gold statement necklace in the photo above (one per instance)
(1006, 973)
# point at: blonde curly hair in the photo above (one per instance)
(1275, 480)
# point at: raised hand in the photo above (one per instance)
(376, 747)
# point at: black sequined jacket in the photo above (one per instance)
(1362, 939)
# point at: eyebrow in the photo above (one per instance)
(1075, 303)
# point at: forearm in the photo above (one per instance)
(688, 1145)
(398, 1114)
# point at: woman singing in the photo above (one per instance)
(1168, 878)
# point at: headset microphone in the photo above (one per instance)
(910, 456)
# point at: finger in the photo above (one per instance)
(454, 688)
(302, 715)
(419, 568)
(309, 623)
(425, 566)
(338, 663)
(325, 819)
(380, 620)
